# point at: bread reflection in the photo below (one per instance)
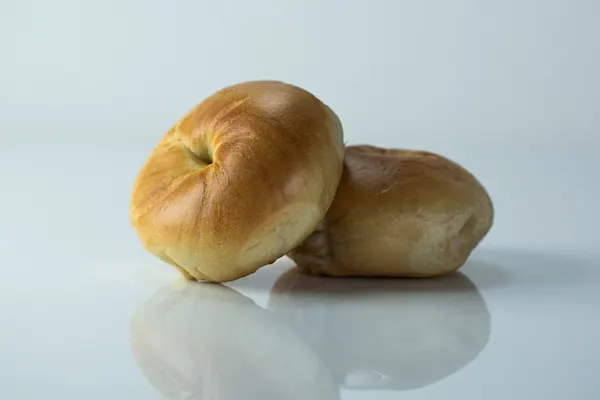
(207, 341)
(386, 334)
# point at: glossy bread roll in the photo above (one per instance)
(239, 181)
(398, 213)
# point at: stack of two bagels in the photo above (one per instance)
(259, 170)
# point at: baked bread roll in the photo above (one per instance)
(239, 181)
(398, 213)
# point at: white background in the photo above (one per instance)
(510, 89)
(403, 73)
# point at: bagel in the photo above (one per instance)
(398, 213)
(238, 181)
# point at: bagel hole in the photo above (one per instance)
(204, 158)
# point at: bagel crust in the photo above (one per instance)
(398, 213)
(239, 181)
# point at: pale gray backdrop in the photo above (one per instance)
(510, 89)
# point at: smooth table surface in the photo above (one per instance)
(85, 313)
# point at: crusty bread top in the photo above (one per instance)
(239, 180)
(398, 213)
(414, 178)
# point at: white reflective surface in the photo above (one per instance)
(86, 313)
(510, 89)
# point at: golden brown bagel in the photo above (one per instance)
(239, 181)
(398, 213)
